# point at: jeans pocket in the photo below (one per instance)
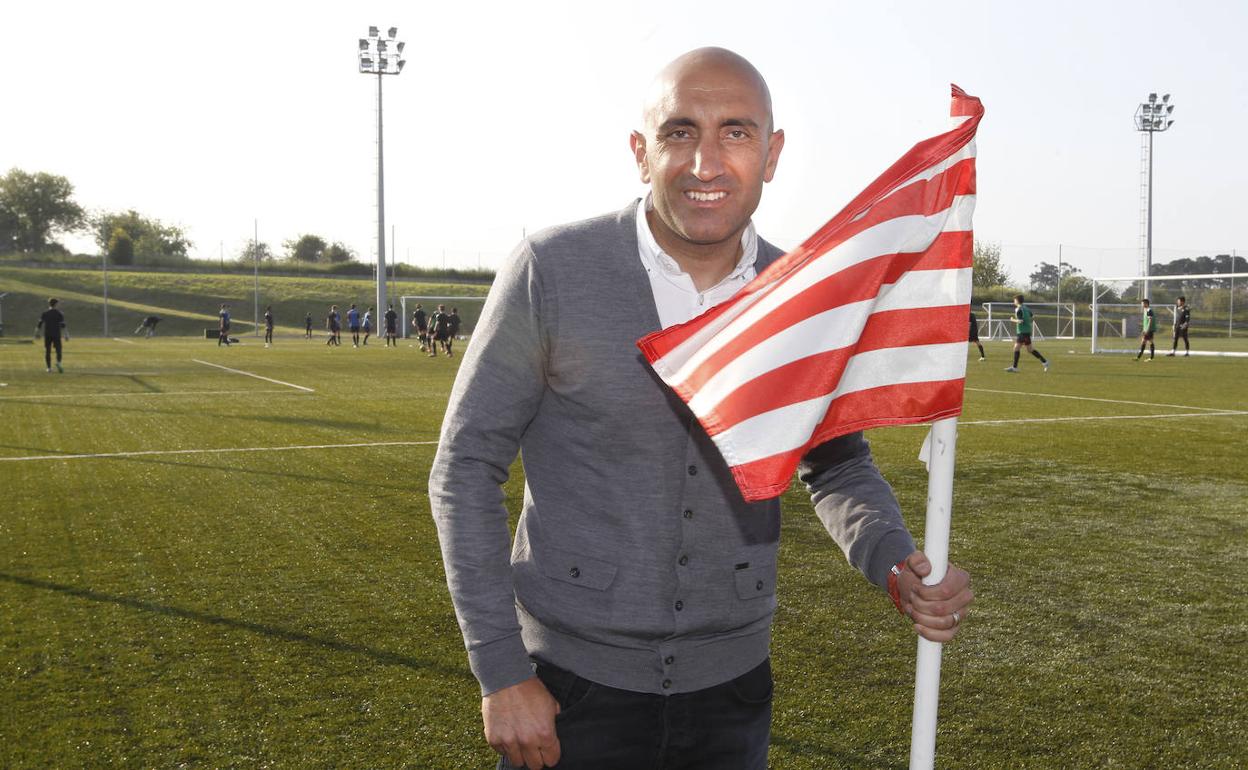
(754, 686)
(569, 690)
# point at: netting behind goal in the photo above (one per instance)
(1049, 320)
(1117, 314)
(469, 311)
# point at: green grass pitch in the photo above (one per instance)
(204, 595)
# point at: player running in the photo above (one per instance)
(974, 335)
(223, 326)
(1182, 319)
(1147, 328)
(452, 330)
(268, 325)
(52, 324)
(148, 327)
(353, 322)
(392, 326)
(368, 324)
(1022, 327)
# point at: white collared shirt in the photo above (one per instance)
(675, 296)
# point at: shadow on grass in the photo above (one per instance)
(828, 755)
(384, 657)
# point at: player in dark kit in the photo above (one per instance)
(439, 328)
(974, 335)
(307, 326)
(1182, 319)
(420, 322)
(148, 327)
(353, 321)
(452, 329)
(1022, 327)
(268, 325)
(52, 324)
(392, 326)
(1147, 329)
(334, 324)
(368, 324)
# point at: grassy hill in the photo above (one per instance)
(186, 302)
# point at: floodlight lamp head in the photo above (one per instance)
(366, 64)
(1171, 123)
(1169, 109)
(401, 63)
(372, 32)
(381, 45)
(392, 32)
(1165, 98)
(400, 47)
(363, 44)
(1151, 97)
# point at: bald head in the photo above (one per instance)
(706, 71)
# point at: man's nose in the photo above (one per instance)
(708, 161)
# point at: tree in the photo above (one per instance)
(33, 207)
(252, 250)
(987, 269)
(336, 253)
(120, 248)
(306, 249)
(153, 240)
(1046, 277)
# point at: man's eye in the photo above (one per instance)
(679, 133)
(736, 133)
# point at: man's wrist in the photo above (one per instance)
(894, 584)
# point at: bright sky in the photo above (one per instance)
(513, 116)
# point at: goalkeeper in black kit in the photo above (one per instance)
(52, 325)
(1182, 319)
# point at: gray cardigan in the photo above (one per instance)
(636, 563)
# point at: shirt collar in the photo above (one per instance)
(653, 256)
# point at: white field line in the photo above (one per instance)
(1024, 420)
(258, 377)
(128, 342)
(222, 450)
(1105, 400)
(144, 394)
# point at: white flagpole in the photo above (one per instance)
(938, 452)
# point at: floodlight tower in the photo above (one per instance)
(1150, 117)
(381, 56)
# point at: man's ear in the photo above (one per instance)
(638, 143)
(774, 145)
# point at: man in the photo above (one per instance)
(420, 322)
(333, 322)
(439, 325)
(368, 324)
(974, 335)
(392, 326)
(223, 326)
(1148, 325)
(52, 324)
(638, 598)
(268, 325)
(453, 322)
(353, 321)
(1182, 318)
(148, 327)
(1022, 328)
(307, 326)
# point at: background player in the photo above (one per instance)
(974, 335)
(452, 330)
(1182, 318)
(223, 326)
(268, 325)
(1022, 327)
(368, 324)
(1147, 328)
(307, 326)
(334, 323)
(353, 322)
(420, 322)
(52, 324)
(392, 326)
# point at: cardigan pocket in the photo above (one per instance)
(756, 582)
(577, 569)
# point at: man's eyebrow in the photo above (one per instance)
(672, 123)
(743, 122)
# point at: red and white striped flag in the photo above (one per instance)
(861, 326)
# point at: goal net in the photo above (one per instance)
(1118, 316)
(1049, 320)
(469, 309)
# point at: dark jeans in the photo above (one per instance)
(726, 727)
(48, 344)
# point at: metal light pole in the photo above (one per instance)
(1150, 117)
(255, 266)
(381, 56)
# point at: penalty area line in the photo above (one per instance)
(128, 342)
(144, 394)
(220, 450)
(1025, 420)
(257, 376)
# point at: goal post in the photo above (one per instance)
(469, 308)
(1117, 317)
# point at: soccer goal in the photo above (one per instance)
(1118, 318)
(1049, 320)
(469, 311)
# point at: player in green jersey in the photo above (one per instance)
(1147, 328)
(1022, 327)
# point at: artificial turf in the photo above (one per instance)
(287, 607)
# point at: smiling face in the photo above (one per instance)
(706, 150)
